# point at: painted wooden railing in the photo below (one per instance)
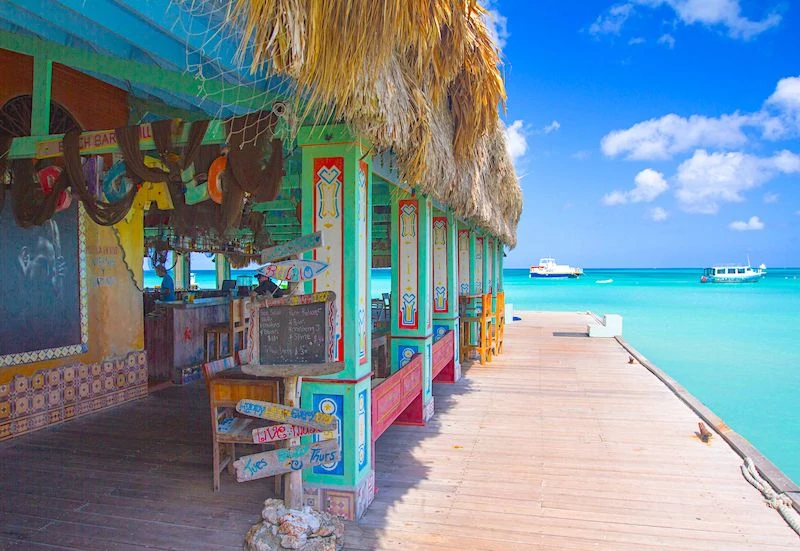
(398, 398)
(443, 356)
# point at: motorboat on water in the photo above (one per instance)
(547, 267)
(733, 273)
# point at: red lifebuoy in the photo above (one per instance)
(214, 178)
(47, 180)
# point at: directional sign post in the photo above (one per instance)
(316, 420)
(275, 433)
(294, 247)
(285, 460)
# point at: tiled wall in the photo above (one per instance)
(54, 395)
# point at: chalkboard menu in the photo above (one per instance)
(291, 334)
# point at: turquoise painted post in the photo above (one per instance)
(223, 269)
(412, 307)
(500, 264)
(336, 200)
(42, 85)
(446, 288)
(478, 266)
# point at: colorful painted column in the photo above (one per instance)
(182, 271)
(336, 200)
(464, 259)
(490, 267)
(500, 262)
(445, 289)
(478, 265)
(412, 304)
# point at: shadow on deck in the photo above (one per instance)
(132, 477)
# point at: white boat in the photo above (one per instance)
(601, 281)
(547, 267)
(733, 273)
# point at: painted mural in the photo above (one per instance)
(490, 264)
(363, 449)
(43, 271)
(440, 290)
(329, 219)
(330, 404)
(408, 252)
(463, 262)
(363, 244)
(479, 264)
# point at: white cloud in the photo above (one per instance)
(552, 127)
(753, 224)
(771, 198)
(726, 14)
(612, 21)
(668, 40)
(706, 179)
(787, 94)
(516, 140)
(496, 24)
(657, 214)
(649, 185)
(662, 138)
(615, 197)
(636, 41)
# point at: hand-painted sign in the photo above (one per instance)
(295, 246)
(93, 142)
(273, 433)
(285, 460)
(317, 420)
(296, 270)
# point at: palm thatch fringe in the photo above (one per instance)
(418, 76)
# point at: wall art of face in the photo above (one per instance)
(41, 258)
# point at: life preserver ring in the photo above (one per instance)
(115, 183)
(47, 180)
(214, 178)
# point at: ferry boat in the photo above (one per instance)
(547, 267)
(735, 273)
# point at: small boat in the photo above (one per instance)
(604, 281)
(547, 267)
(734, 273)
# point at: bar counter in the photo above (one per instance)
(175, 333)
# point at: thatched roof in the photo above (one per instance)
(418, 76)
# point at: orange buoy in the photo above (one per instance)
(215, 178)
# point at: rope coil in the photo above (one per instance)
(781, 502)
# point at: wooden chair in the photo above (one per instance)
(234, 331)
(484, 321)
(500, 322)
(226, 386)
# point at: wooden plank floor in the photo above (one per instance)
(561, 444)
(129, 478)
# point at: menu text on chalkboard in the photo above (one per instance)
(291, 334)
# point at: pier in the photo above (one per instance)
(559, 443)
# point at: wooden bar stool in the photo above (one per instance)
(500, 322)
(484, 321)
(215, 333)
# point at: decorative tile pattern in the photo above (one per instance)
(346, 502)
(53, 395)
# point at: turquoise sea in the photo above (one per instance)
(736, 347)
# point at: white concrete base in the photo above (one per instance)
(610, 326)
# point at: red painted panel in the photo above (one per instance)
(442, 353)
(395, 394)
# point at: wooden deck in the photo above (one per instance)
(561, 444)
(557, 444)
(133, 477)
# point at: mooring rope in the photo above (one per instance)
(781, 502)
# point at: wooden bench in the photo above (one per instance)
(443, 362)
(398, 398)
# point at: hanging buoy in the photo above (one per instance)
(47, 180)
(215, 179)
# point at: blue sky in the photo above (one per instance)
(654, 133)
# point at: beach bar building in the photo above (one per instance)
(148, 130)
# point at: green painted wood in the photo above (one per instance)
(278, 204)
(25, 147)
(42, 84)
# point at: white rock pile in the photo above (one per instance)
(306, 530)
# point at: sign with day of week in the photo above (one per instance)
(321, 422)
(275, 433)
(285, 460)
